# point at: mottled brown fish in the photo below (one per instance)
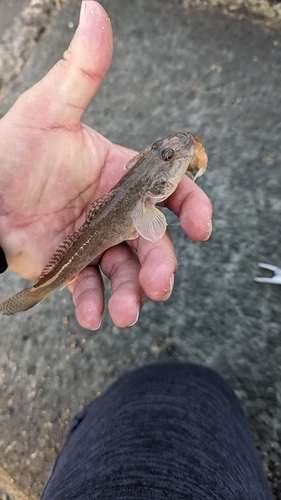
(125, 212)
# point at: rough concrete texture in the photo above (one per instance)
(23, 23)
(173, 69)
(9, 10)
(266, 11)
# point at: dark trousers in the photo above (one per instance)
(165, 431)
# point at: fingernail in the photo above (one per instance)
(82, 10)
(92, 18)
(94, 329)
(137, 317)
(171, 282)
(209, 228)
(168, 291)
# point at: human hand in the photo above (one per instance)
(53, 166)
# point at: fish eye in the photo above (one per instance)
(168, 154)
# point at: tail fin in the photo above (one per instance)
(22, 301)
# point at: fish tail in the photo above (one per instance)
(22, 301)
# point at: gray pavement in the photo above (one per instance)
(22, 23)
(8, 11)
(173, 69)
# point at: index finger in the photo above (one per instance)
(194, 209)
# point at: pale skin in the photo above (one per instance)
(53, 166)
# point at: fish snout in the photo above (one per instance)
(200, 161)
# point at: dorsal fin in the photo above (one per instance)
(93, 209)
(90, 213)
(60, 251)
(131, 163)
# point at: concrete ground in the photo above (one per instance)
(174, 68)
(22, 24)
(9, 10)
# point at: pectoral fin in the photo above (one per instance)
(149, 221)
(134, 235)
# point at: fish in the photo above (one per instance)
(126, 212)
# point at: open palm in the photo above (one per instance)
(52, 167)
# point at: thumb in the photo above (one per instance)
(70, 85)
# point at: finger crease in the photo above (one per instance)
(90, 74)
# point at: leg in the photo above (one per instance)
(165, 431)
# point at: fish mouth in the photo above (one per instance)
(199, 173)
(200, 161)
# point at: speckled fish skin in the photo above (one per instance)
(125, 212)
